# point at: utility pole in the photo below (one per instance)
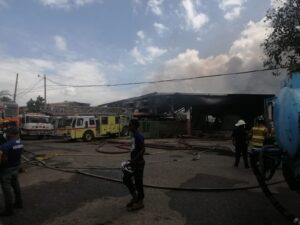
(45, 93)
(16, 86)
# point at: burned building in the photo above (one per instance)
(208, 112)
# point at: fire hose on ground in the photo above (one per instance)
(40, 163)
(262, 184)
(255, 160)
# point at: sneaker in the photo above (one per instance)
(137, 206)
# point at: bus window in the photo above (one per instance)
(92, 122)
(117, 120)
(79, 122)
(104, 120)
(86, 124)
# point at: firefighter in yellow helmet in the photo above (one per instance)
(259, 133)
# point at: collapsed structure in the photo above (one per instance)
(202, 112)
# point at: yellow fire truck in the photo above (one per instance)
(89, 127)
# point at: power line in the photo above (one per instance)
(38, 90)
(33, 88)
(28, 90)
(162, 81)
(41, 89)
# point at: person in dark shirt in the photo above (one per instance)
(2, 137)
(10, 154)
(240, 141)
(135, 168)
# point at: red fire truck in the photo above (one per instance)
(9, 115)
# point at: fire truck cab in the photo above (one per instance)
(36, 124)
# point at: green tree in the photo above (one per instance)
(282, 46)
(36, 105)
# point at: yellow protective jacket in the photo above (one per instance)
(258, 136)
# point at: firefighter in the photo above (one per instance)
(271, 137)
(10, 154)
(258, 133)
(134, 168)
(240, 141)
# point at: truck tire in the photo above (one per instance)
(88, 136)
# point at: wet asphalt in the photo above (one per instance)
(225, 208)
(47, 200)
(53, 199)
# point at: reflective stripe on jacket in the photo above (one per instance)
(258, 136)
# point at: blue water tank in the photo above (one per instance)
(286, 117)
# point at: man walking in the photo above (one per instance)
(10, 154)
(134, 168)
(240, 141)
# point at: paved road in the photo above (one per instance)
(54, 198)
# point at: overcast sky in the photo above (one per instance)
(82, 42)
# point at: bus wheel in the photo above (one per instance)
(88, 136)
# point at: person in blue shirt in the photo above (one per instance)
(10, 155)
(134, 168)
(2, 137)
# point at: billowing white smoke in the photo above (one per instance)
(244, 54)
